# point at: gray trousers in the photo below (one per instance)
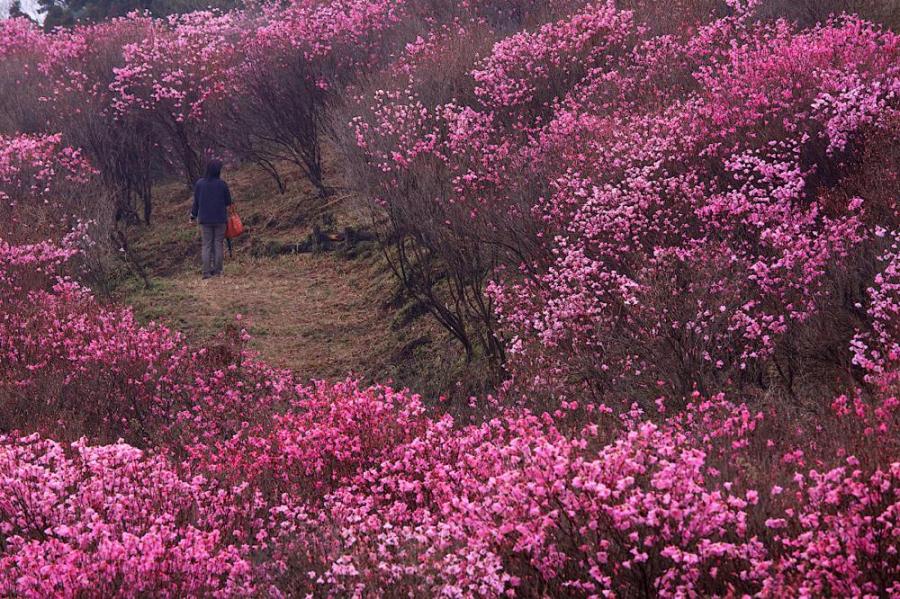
(213, 249)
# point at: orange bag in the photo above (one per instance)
(234, 227)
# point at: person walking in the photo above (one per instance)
(211, 200)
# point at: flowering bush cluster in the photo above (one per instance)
(252, 482)
(668, 205)
(317, 49)
(678, 244)
(514, 505)
(169, 79)
(22, 47)
(528, 70)
(108, 521)
(37, 172)
(879, 350)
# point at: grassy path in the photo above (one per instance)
(323, 315)
(313, 313)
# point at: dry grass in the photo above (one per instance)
(316, 314)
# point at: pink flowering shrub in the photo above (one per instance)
(659, 215)
(18, 35)
(627, 232)
(61, 345)
(323, 438)
(214, 411)
(170, 78)
(111, 521)
(879, 350)
(528, 70)
(81, 65)
(115, 378)
(513, 505)
(45, 188)
(21, 48)
(317, 49)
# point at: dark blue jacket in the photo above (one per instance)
(211, 199)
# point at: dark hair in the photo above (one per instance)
(213, 168)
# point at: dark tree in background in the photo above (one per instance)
(15, 11)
